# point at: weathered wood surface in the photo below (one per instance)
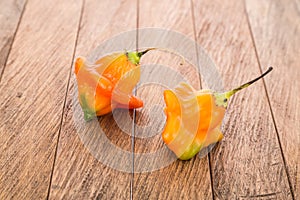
(77, 173)
(32, 94)
(10, 14)
(276, 30)
(179, 180)
(248, 162)
(45, 155)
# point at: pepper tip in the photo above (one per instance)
(78, 64)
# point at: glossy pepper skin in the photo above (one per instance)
(194, 118)
(108, 83)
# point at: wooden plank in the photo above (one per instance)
(32, 94)
(276, 32)
(81, 171)
(248, 162)
(179, 180)
(10, 14)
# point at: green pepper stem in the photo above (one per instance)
(222, 98)
(245, 85)
(135, 57)
(141, 53)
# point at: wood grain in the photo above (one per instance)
(179, 180)
(10, 14)
(32, 94)
(276, 30)
(81, 170)
(248, 163)
(45, 155)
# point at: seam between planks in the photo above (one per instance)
(195, 38)
(134, 110)
(137, 23)
(200, 80)
(65, 100)
(211, 176)
(13, 39)
(132, 149)
(269, 102)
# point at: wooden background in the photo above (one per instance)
(42, 157)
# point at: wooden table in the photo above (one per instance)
(43, 157)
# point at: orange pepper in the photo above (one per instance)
(108, 83)
(194, 118)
